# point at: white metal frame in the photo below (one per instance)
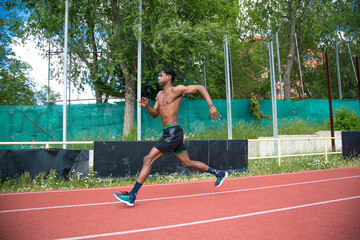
(279, 156)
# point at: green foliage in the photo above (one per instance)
(318, 25)
(188, 35)
(15, 87)
(297, 164)
(255, 110)
(132, 136)
(299, 126)
(11, 28)
(42, 96)
(346, 119)
(174, 33)
(252, 130)
(248, 63)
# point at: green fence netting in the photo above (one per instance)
(105, 121)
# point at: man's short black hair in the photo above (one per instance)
(171, 72)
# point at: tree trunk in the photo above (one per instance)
(129, 113)
(290, 60)
(264, 47)
(98, 94)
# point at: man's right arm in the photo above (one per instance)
(190, 89)
(154, 112)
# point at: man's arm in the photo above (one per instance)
(154, 112)
(200, 89)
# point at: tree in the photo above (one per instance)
(175, 33)
(16, 88)
(188, 35)
(248, 67)
(316, 23)
(47, 96)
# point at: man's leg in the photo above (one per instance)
(187, 163)
(129, 198)
(200, 166)
(147, 164)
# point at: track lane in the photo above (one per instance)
(94, 196)
(116, 217)
(330, 221)
(177, 196)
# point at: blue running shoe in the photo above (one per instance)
(125, 198)
(221, 179)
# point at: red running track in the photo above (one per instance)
(306, 205)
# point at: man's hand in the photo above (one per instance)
(214, 113)
(144, 102)
(154, 112)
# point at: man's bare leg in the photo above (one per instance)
(187, 163)
(147, 164)
(200, 166)
(129, 198)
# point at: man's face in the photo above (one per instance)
(163, 78)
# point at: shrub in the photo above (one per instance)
(255, 110)
(346, 119)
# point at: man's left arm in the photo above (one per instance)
(191, 89)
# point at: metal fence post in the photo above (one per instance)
(279, 157)
(326, 156)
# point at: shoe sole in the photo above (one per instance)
(226, 175)
(124, 202)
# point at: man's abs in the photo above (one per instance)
(169, 116)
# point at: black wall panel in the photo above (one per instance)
(119, 159)
(13, 163)
(350, 144)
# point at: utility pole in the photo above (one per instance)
(330, 101)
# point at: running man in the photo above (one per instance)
(167, 106)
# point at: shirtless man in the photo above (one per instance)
(167, 106)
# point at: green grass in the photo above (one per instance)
(252, 130)
(256, 167)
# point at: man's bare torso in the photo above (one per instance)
(169, 102)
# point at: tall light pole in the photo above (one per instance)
(273, 96)
(228, 94)
(139, 76)
(65, 72)
(279, 63)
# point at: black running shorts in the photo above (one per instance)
(171, 140)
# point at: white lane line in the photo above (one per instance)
(167, 184)
(210, 220)
(181, 196)
(56, 207)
